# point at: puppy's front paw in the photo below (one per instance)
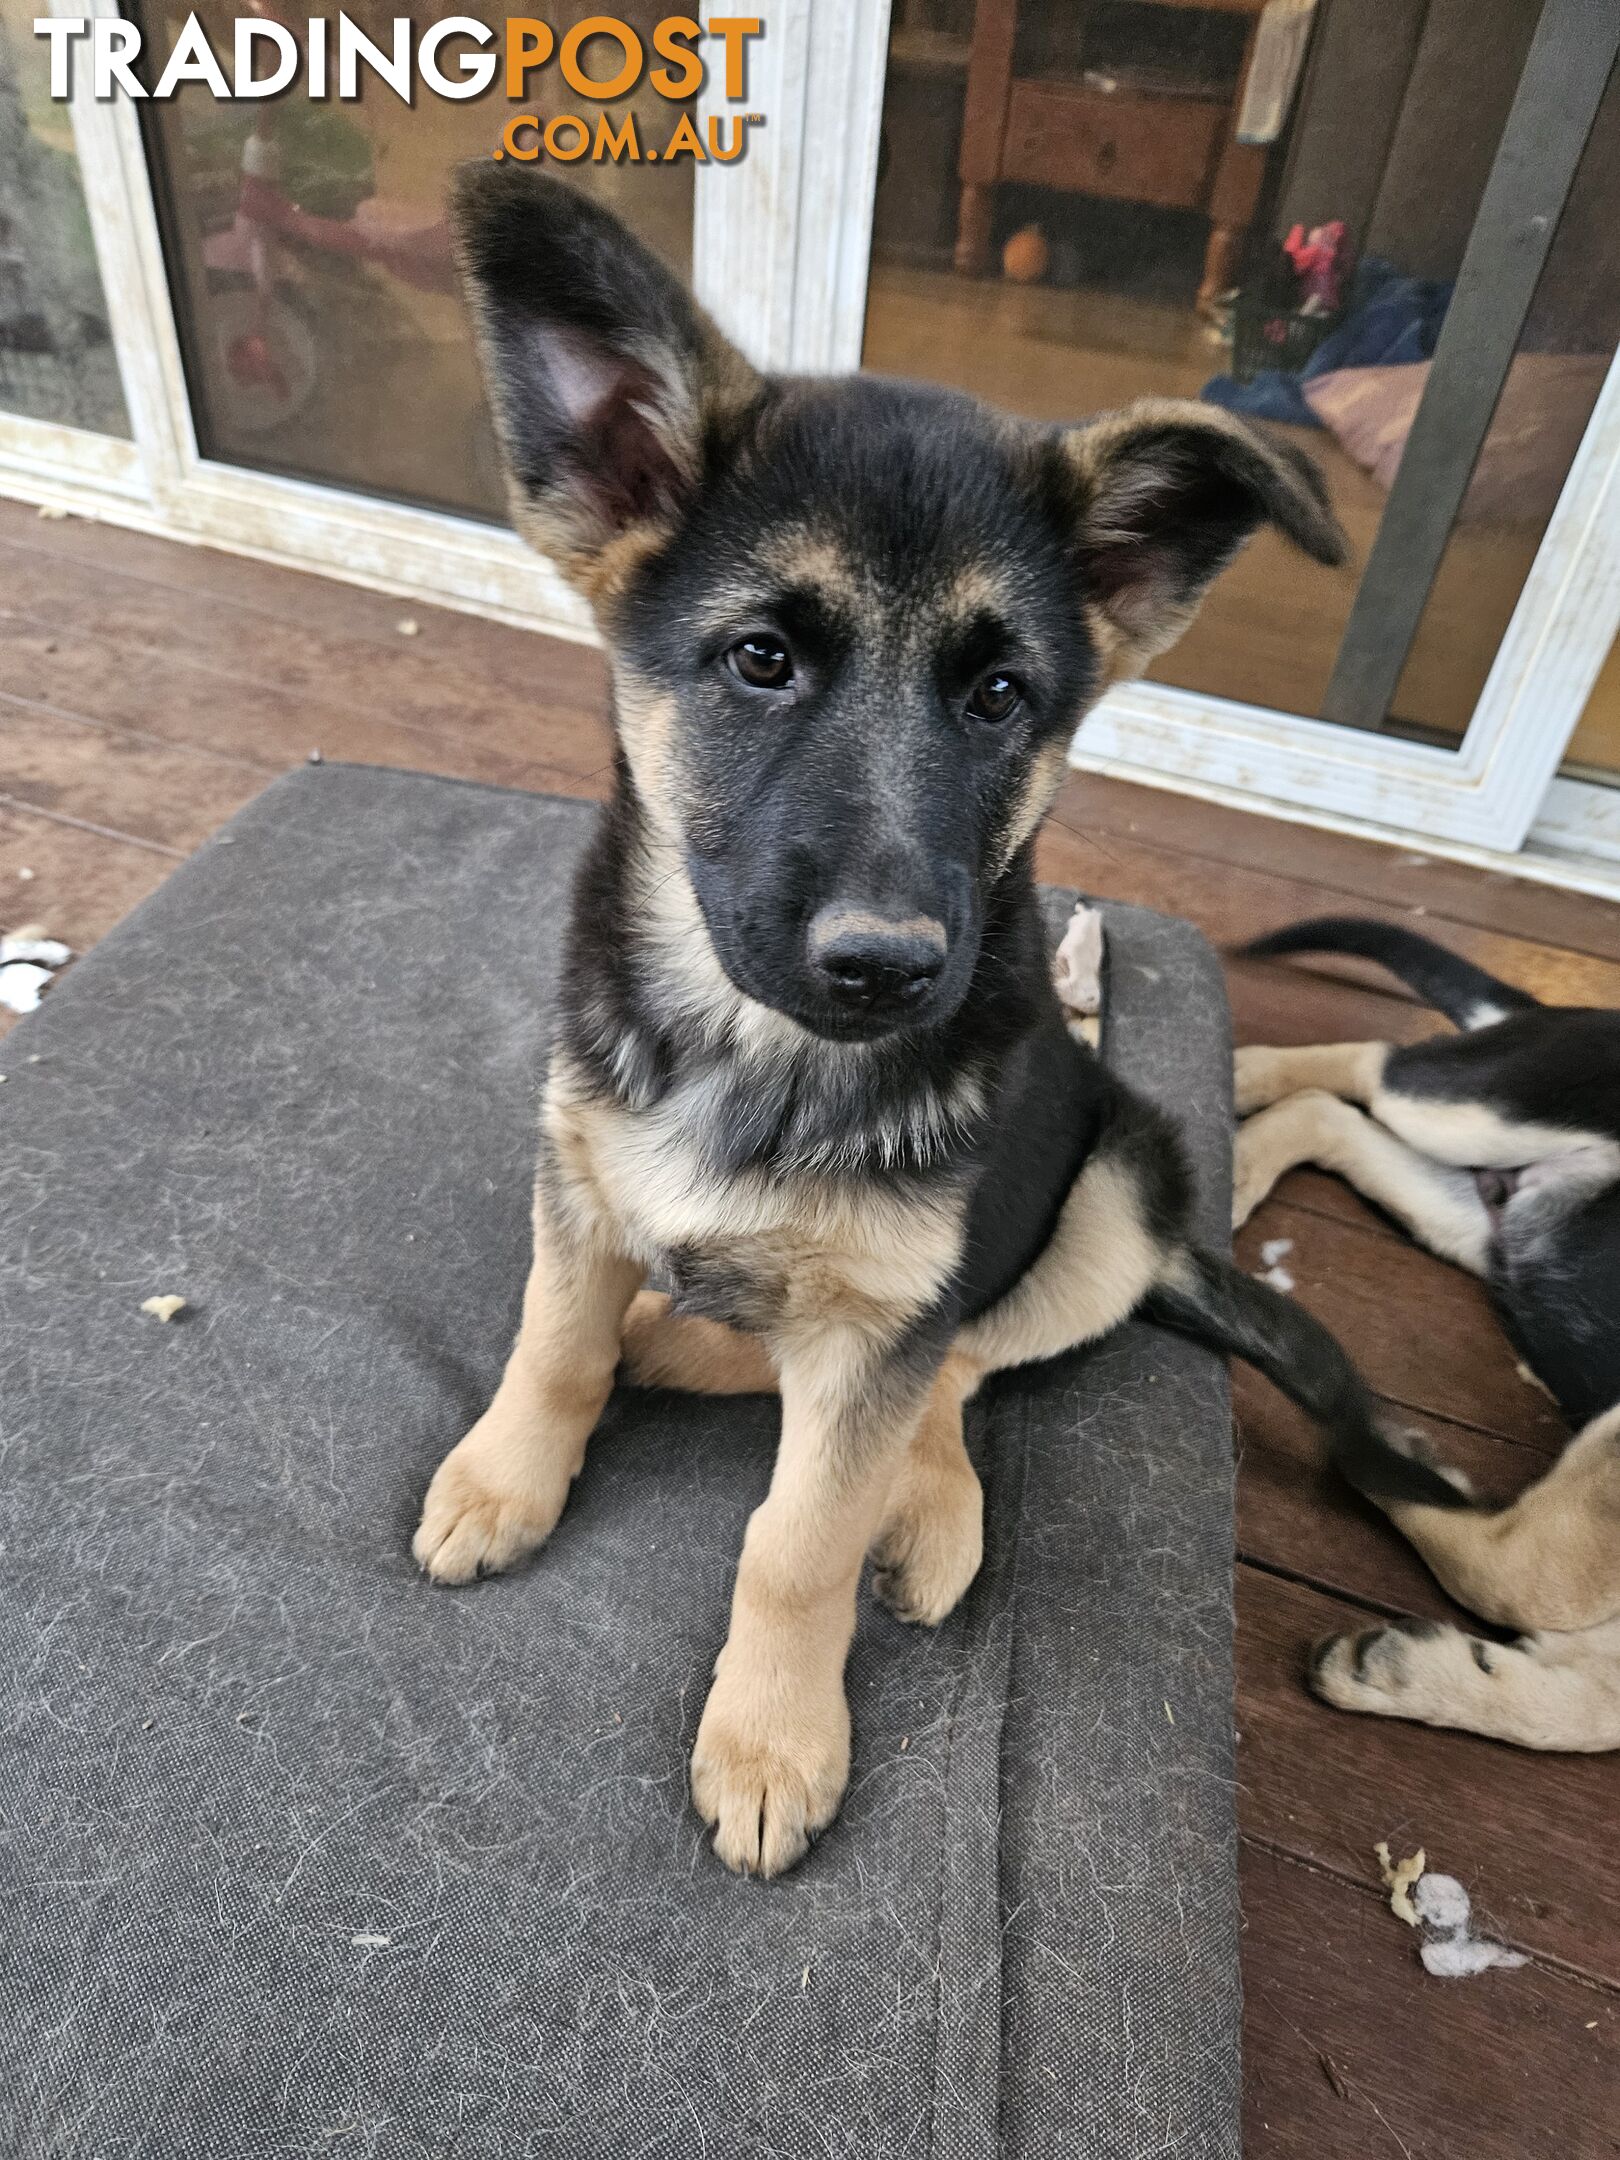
(1420, 1669)
(484, 1510)
(1253, 1174)
(771, 1760)
(931, 1545)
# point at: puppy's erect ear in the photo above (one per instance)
(603, 372)
(1169, 490)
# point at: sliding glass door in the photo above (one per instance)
(1379, 225)
(309, 259)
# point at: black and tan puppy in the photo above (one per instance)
(1499, 1149)
(809, 1067)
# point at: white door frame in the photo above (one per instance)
(780, 247)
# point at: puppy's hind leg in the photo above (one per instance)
(499, 1493)
(1261, 1075)
(932, 1541)
(1555, 1691)
(1440, 1206)
(1551, 1560)
(663, 1348)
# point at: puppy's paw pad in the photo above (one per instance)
(470, 1527)
(766, 1789)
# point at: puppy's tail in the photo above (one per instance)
(1215, 1303)
(1464, 993)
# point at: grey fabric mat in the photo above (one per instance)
(302, 1856)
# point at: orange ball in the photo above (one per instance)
(1026, 258)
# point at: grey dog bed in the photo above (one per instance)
(303, 1856)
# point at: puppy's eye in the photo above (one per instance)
(764, 663)
(995, 697)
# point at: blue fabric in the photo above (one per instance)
(1392, 320)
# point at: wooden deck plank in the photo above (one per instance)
(1352, 2051)
(1346, 870)
(1274, 1003)
(144, 789)
(576, 670)
(178, 698)
(1511, 1825)
(1232, 903)
(542, 713)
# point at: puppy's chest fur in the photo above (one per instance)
(763, 1246)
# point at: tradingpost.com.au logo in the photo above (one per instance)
(457, 57)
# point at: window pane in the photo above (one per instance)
(1562, 357)
(1067, 218)
(311, 266)
(56, 355)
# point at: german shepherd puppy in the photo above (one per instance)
(809, 1066)
(1499, 1149)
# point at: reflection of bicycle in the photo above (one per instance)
(266, 345)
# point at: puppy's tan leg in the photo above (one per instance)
(662, 1348)
(499, 1493)
(1552, 1559)
(932, 1540)
(1441, 1207)
(772, 1753)
(1547, 1691)
(1261, 1075)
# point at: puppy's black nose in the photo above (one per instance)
(873, 961)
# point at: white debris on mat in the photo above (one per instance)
(408, 626)
(163, 1308)
(368, 1941)
(33, 944)
(20, 985)
(1278, 1277)
(28, 959)
(1077, 972)
(1275, 1249)
(1440, 1906)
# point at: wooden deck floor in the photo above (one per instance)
(147, 691)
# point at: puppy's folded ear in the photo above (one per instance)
(1168, 491)
(603, 373)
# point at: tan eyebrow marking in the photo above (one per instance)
(811, 559)
(976, 589)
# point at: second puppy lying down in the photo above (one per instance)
(809, 1064)
(1499, 1149)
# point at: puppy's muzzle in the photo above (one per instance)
(869, 962)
